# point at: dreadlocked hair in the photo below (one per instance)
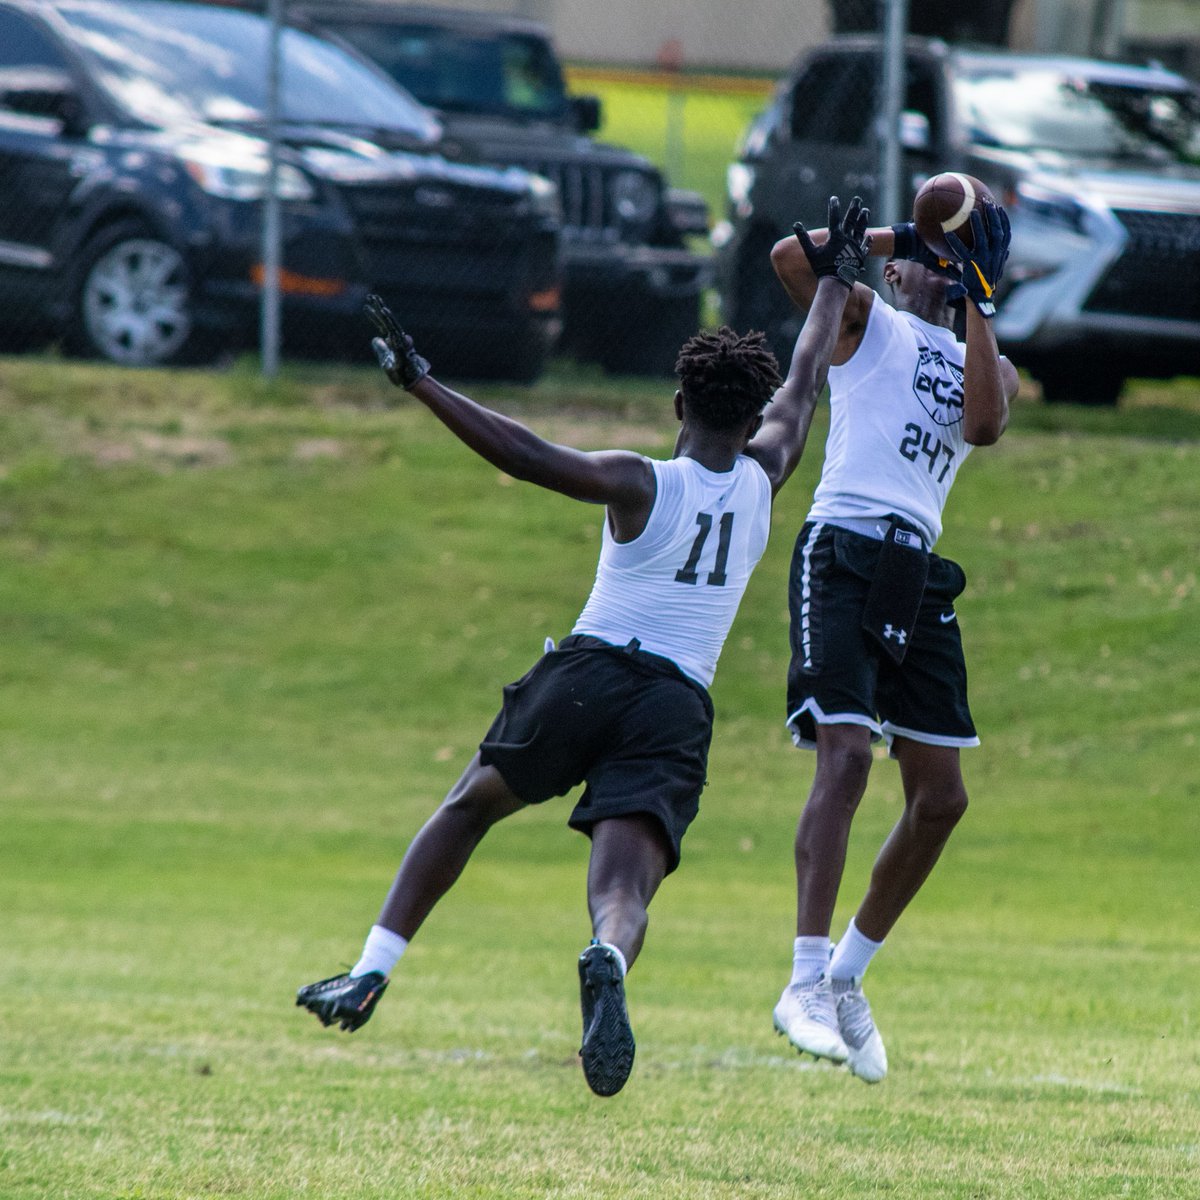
(726, 378)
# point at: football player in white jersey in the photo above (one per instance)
(876, 650)
(621, 704)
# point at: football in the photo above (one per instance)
(944, 205)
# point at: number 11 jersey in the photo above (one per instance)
(676, 587)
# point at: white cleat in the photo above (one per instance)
(868, 1058)
(807, 1016)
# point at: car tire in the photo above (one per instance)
(1075, 382)
(133, 300)
(758, 301)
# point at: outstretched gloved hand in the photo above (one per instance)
(983, 264)
(393, 347)
(845, 251)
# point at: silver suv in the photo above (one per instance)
(1097, 163)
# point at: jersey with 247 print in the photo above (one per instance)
(896, 424)
(676, 587)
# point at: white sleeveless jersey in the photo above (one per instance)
(676, 587)
(896, 418)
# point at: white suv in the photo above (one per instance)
(1097, 163)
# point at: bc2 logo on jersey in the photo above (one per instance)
(938, 384)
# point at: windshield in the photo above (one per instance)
(1046, 110)
(169, 62)
(511, 74)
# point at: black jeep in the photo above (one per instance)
(632, 289)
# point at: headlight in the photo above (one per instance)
(1055, 207)
(248, 181)
(739, 179)
(544, 198)
(634, 197)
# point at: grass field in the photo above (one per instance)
(250, 633)
(691, 128)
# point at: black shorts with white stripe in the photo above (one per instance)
(628, 724)
(839, 674)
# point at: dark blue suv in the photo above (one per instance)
(132, 170)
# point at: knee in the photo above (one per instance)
(842, 771)
(942, 806)
(474, 805)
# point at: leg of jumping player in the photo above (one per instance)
(433, 863)
(630, 857)
(934, 801)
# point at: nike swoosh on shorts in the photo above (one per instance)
(946, 618)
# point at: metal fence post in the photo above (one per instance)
(271, 228)
(891, 100)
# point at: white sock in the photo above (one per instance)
(810, 958)
(381, 952)
(617, 952)
(852, 954)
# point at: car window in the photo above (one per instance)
(460, 71)
(1047, 110)
(165, 61)
(23, 44)
(834, 100)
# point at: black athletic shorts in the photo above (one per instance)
(629, 724)
(840, 675)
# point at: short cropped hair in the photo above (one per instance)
(726, 378)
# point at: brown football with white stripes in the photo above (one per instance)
(944, 205)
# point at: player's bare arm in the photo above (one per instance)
(618, 478)
(836, 262)
(989, 380)
(795, 272)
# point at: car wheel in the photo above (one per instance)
(133, 301)
(1077, 382)
(758, 300)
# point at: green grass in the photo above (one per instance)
(249, 634)
(690, 131)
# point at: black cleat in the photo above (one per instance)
(343, 1000)
(607, 1050)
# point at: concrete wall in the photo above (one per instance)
(741, 34)
(769, 34)
(746, 34)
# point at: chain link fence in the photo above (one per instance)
(594, 212)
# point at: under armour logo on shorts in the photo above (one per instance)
(890, 631)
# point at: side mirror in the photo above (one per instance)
(587, 112)
(914, 131)
(43, 93)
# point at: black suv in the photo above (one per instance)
(132, 169)
(1097, 162)
(632, 287)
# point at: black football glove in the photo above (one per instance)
(393, 347)
(845, 252)
(911, 247)
(984, 265)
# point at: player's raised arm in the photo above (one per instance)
(835, 262)
(796, 273)
(989, 381)
(619, 478)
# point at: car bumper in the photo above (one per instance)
(1092, 291)
(604, 270)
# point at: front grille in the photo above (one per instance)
(433, 213)
(1157, 273)
(583, 195)
(458, 247)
